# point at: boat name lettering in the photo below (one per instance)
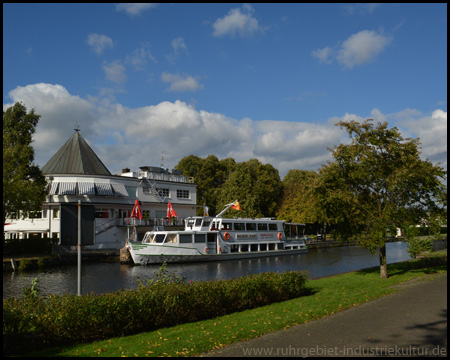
(265, 236)
(245, 236)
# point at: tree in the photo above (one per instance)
(209, 174)
(298, 202)
(23, 182)
(256, 186)
(376, 184)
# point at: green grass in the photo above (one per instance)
(328, 296)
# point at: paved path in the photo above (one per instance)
(411, 322)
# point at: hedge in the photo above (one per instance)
(33, 322)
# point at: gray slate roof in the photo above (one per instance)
(75, 157)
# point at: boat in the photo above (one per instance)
(207, 238)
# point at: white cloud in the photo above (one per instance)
(431, 129)
(134, 8)
(60, 113)
(124, 137)
(237, 21)
(323, 55)
(115, 71)
(360, 48)
(139, 58)
(99, 43)
(181, 83)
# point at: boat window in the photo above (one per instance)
(239, 226)
(214, 225)
(227, 226)
(185, 239)
(251, 226)
(206, 223)
(254, 247)
(159, 238)
(190, 223)
(198, 222)
(148, 238)
(262, 247)
(273, 226)
(171, 238)
(262, 226)
(199, 238)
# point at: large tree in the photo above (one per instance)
(23, 182)
(209, 174)
(256, 186)
(299, 202)
(376, 184)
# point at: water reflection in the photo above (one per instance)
(111, 276)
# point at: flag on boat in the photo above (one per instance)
(136, 212)
(236, 206)
(170, 211)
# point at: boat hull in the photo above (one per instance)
(147, 255)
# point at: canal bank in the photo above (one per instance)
(43, 261)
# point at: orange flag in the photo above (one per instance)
(236, 206)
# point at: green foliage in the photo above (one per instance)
(69, 319)
(256, 186)
(209, 174)
(298, 202)
(23, 182)
(376, 184)
(417, 246)
(33, 290)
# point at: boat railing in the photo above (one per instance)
(151, 222)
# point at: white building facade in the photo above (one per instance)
(75, 173)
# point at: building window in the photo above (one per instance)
(183, 194)
(163, 192)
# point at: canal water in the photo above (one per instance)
(111, 276)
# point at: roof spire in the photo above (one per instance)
(77, 127)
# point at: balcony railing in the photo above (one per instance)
(151, 222)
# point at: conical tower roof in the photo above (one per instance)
(75, 157)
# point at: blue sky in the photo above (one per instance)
(264, 81)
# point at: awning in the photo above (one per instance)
(54, 188)
(67, 188)
(86, 188)
(104, 189)
(120, 190)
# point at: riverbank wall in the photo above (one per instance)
(46, 261)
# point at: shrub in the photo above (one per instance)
(417, 246)
(166, 301)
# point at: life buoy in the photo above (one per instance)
(206, 250)
(226, 236)
(280, 236)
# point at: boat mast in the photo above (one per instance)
(226, 208)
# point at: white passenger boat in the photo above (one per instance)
(208, 238)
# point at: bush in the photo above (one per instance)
(417, 246)
(166, 301)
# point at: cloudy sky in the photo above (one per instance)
(265, 81)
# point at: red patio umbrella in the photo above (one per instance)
(136, 212)
(170, 211)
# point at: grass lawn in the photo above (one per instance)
(328, 296)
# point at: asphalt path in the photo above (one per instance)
(410, 322)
